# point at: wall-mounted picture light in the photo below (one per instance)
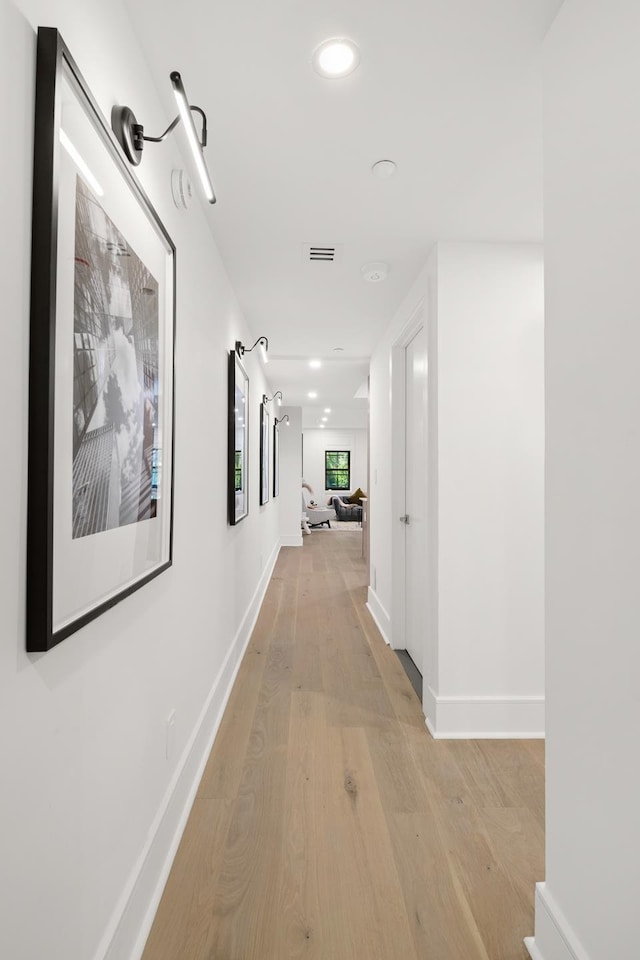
(284, 419)
(277, 396)
(262, 342)
(131, 135)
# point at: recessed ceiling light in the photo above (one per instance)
(321, 425)
(312, 395)
(324, 419)
(375, 271)
(383, 169)
(315, 364)
(336, 58)
(338, 349)
(327, 409)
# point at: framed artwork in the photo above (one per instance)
(264, 454)
(276, 460)
(238, 473)
(101, 376)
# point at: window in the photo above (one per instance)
(337, 469)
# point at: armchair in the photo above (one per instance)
(346, 511)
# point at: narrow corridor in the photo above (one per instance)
(328, 823)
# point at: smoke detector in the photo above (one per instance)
(375, 272)
(383, 169)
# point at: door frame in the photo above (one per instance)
(416, 321)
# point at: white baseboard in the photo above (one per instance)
(128, 929)
(554, 939)
(291, 541)
(533, 951)
(483, 718)
(381, 617)
(430, 708)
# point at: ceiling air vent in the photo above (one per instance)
(321, 252)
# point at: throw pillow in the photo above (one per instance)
(357, 496)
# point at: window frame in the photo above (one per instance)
(335, 470)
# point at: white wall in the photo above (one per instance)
(482, 305)
(89, 806)
(316, 441)
(490, 466)
(592, 225)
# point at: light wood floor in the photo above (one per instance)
(328, 824)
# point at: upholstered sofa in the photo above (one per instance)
(345, 510)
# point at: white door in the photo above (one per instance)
(416, 582)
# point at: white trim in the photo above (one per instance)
(380, 616)
(534, 953)
(554, 939)
(291, 541)
(430, 709)
(128, 928)
(414, 323)
(398, 487)
(483, 718)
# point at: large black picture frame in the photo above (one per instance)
(264, 455)
(238, 441)
(101, 365)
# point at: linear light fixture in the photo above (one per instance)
(277, 394)
(262, 342)
(131, 135)
(284, 419)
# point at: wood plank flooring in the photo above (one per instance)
(328, 824)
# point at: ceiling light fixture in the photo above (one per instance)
(321, 425)
(284, 419)
(315, 364)
(336, 58)
(338, 349)
(327, 409)
(324, 419)
(383, 169)
(130, 133)
(375, 272)
(312, 395)
(277, 396)
(261, 341)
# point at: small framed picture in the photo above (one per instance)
(276, 460)
(238, 457)
(264, 454)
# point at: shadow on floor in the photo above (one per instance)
(411, 671)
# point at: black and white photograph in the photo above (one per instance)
(101, 384)
(115, 375)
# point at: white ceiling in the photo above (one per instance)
(336, 384)
(448, 89)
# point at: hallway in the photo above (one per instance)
(328, 824)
